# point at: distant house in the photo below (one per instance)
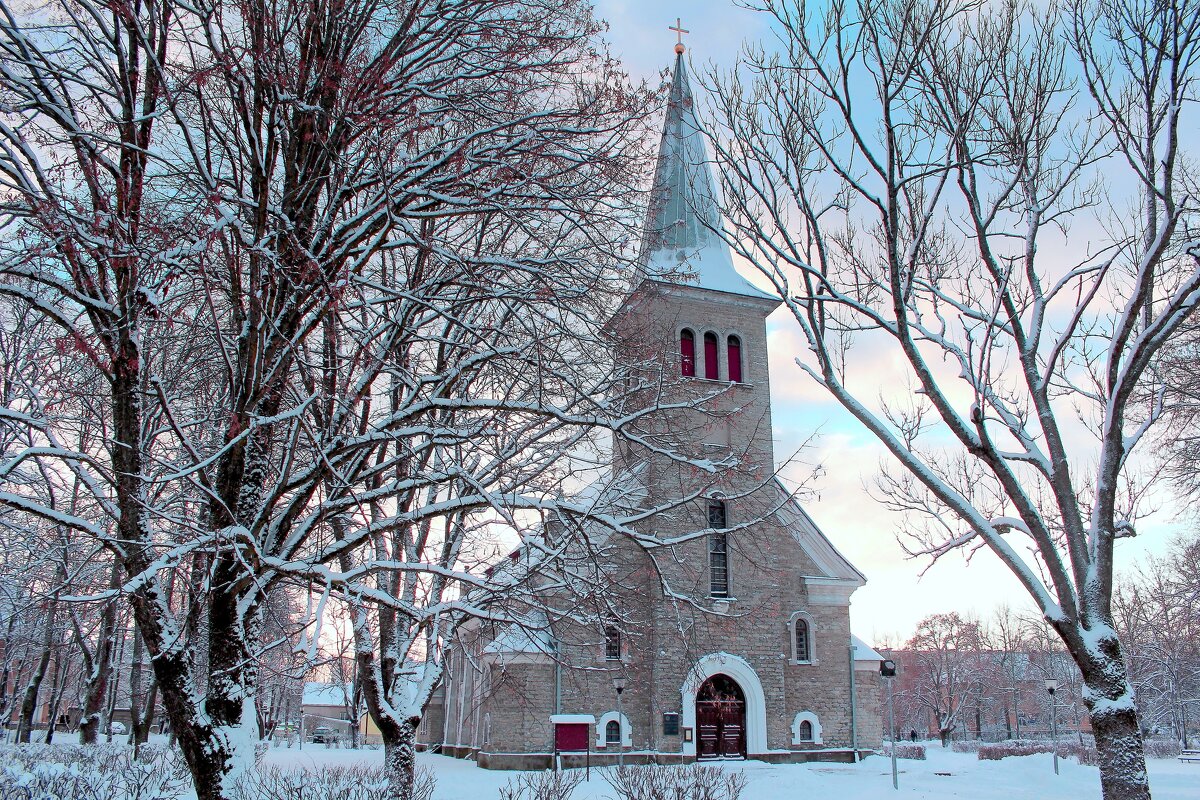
(329, 705)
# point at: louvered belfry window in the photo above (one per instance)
(734, 358)
(711, 369)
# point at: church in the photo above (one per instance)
(733, 639)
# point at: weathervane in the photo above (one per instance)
(680, 31)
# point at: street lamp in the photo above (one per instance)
(619, 685)
(1051, 687)
(887, 668)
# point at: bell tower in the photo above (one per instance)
(692, 333)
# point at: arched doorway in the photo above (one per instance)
(720, 718)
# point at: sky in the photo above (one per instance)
(900, 591)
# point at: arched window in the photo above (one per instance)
(806, 729)
(612, 643)
(687, 353)
(734, 358)
(802, 638)
(711, 369)
(803, 653)
(612, 733)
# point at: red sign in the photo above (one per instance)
(571, 737)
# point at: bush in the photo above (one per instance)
(344, 783)
(542, 785)
(1162, 748)
(913, 752)
(97, 772)
(966, 746)
(1084, 753)
(691, 782)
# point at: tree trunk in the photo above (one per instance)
(33, 688)
(1109, 699)
(95, 693)
(142, 728)
(58, 687)
(135, 691)
(400, 758)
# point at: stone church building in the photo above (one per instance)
(733, 639)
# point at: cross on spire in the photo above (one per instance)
(679, 31)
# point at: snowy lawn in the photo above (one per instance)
(1026, 778)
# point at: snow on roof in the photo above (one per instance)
(325, 694)
(528, 636)
(864, 651)
(814, 542)
(679, 244)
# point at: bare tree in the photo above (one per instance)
(904, 172)
(944, 661)
(1159, 621)
(250, 240)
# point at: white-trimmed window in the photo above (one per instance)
(800, 629)
(806, 729)
(612, 730)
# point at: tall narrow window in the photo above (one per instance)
(734, 359)
(803, 651)
(806, 732)
(718, 550)
(612, 643)
(718, 564)
(711, 370)
(612, 732)
(687, 353)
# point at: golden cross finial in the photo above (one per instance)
(680, 31)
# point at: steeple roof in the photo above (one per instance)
(679, 245)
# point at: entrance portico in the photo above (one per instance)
(710, 698)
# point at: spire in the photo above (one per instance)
(679, 245)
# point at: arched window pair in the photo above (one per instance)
(802, 639)
(712, 365)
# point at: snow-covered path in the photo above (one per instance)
(1028, 778)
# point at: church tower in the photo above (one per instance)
(693, 331)
(731, 637)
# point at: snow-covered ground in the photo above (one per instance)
(943, 776)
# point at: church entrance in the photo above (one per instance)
(721, 719)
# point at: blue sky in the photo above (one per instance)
(897, 595)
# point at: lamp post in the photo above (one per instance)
(1051, 687)
(887, 669)
(619, 685)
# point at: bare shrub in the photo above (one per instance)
(97, 772)
(913, 752)
(966, 746)
(345, 783)
(1084, 753)
(1162, 748)
(546, 785)
(691, 782)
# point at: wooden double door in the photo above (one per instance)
(721, 719)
